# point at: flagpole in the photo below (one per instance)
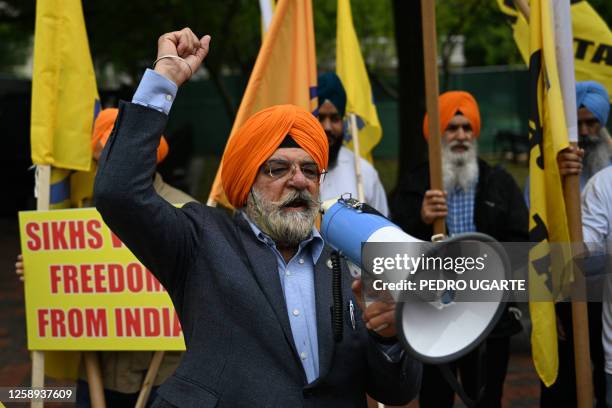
(149, 380)
(580, 318)
(523, 7)
(42, 192)
(358, 176)
(428, 16)
(571, 195)
(94, 379)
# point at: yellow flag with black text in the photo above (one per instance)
(351, 70)
(547, 217)
(592, 40)
(285, 71)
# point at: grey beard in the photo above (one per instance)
(459, 169)
(597, 157)
(287, 229)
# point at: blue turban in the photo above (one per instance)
(593, 96)
(330, 88)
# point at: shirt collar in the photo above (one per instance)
(314, 239)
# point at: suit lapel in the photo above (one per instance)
(324, 299)
(265, 269)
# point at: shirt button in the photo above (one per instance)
(296, 312)
(301, 261)
(288, 273)
(303, 355)
(168, 97)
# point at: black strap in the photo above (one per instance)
(337, 321)
(451, 379)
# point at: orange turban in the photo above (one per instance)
(259, 137)
(104, 125)
(452, 102)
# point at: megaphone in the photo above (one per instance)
(432, 334)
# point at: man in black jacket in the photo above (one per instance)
(252, 291)
(476, 198)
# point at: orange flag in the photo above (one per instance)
(285, 71)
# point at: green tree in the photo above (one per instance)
(16, 29)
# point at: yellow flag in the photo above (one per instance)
(64, 94)
(285, 71)
(547, 217)
(592, 41)
(65, 103)
(352, 72)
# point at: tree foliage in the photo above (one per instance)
(488, 39)
(16, 29)
(123, 33)
(373, 21)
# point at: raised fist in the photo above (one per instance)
(183, 53)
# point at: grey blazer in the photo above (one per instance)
(225, 287)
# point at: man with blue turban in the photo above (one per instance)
(593, 108)
(594, 142)
(341, 177)
(593, 104)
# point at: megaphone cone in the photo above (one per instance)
(431, 333)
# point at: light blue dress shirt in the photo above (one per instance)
(155, 91)
(297, 281)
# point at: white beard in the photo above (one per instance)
(597, 157)
(459, 169)
(286, 228)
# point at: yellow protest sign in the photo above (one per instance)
(85, 290)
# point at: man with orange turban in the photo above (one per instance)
(476, 198)
(253, 291)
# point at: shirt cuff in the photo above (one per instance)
(155, 91)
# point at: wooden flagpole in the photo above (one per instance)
(580, 317)
(94, 379)
(358, 176)
(428, 15)
(43, 187)
(149, 380)
(523, 7)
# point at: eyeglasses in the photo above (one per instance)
(278, 169)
